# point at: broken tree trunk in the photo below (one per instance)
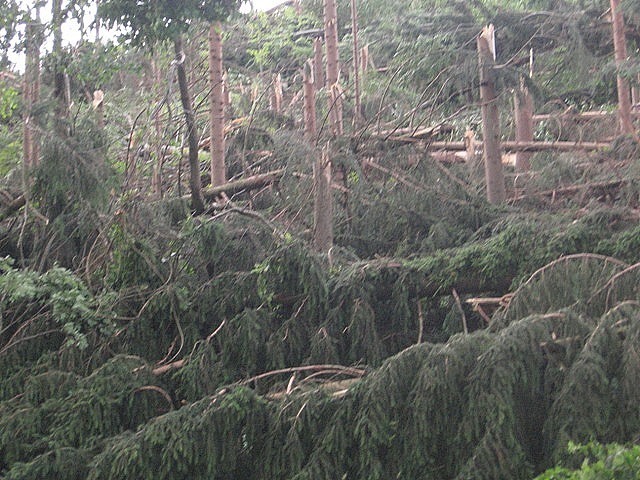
(216, 106)
(356, 64)
(318, 72)
(333, 68)
(516, 146)
(310, 129)
(59, 84)
(323, 205)
(523, 111)
(31, 95)
(249, 183)
(192, 133)
(620, 46)
(496, 192)
(276, 94)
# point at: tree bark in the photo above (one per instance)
(333, 67)
(276, 97)
(356, 65)
(31, 95)
(496, 192)
(323, 205)
(250, 183)
(524, 124)
(218, 167)
(318, 73)
(620, 46)
(197, 202)
(310, 129)
(59, 84)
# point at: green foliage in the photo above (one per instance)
(147, 22)
(601, 462)
(69, 305)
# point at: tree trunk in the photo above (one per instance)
(364, 53)
(192, 134)
(310, 129)
(524, 124)
(31, 95)
(620, 46)
(216, 105)
(356, 64)
(318, 73)
(276, 94)
(496, 192)
(323, 205)
(333, 68)
(59, 84)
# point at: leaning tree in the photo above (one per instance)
(147, 22)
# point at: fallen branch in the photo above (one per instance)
(510, 146)
(249, 183)
(333, 369)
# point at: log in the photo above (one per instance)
(578, 117)
(249, 183)
(517, 146)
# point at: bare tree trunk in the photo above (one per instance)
(216, 105)
(310, 129)
(496, 192)
(59, 84)
(470, 147)
(364, 53)
(323, 205)
(226, 96)
(356, 64)
(318, 73)
(620, 45)
(333, 67)
(276, 94)
(192, 133)
(31, 95)
(524, 124)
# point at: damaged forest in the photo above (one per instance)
(338, 239)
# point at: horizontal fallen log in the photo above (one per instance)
(512, 146)
(249, 183)
(414, 133)
(578, 117)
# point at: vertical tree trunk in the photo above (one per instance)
(318, 67)
(333, 67)
(192, 133)
(226, 95)
(356, 64)
(310, 129)
(620, 46)
(59, 84)
(216, 106)
(276, 94)
(470, 147)
(364, 53)
(323, 204)
(494, 176)
(524, 124)
(31, 94)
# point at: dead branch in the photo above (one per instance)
(249, 183)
